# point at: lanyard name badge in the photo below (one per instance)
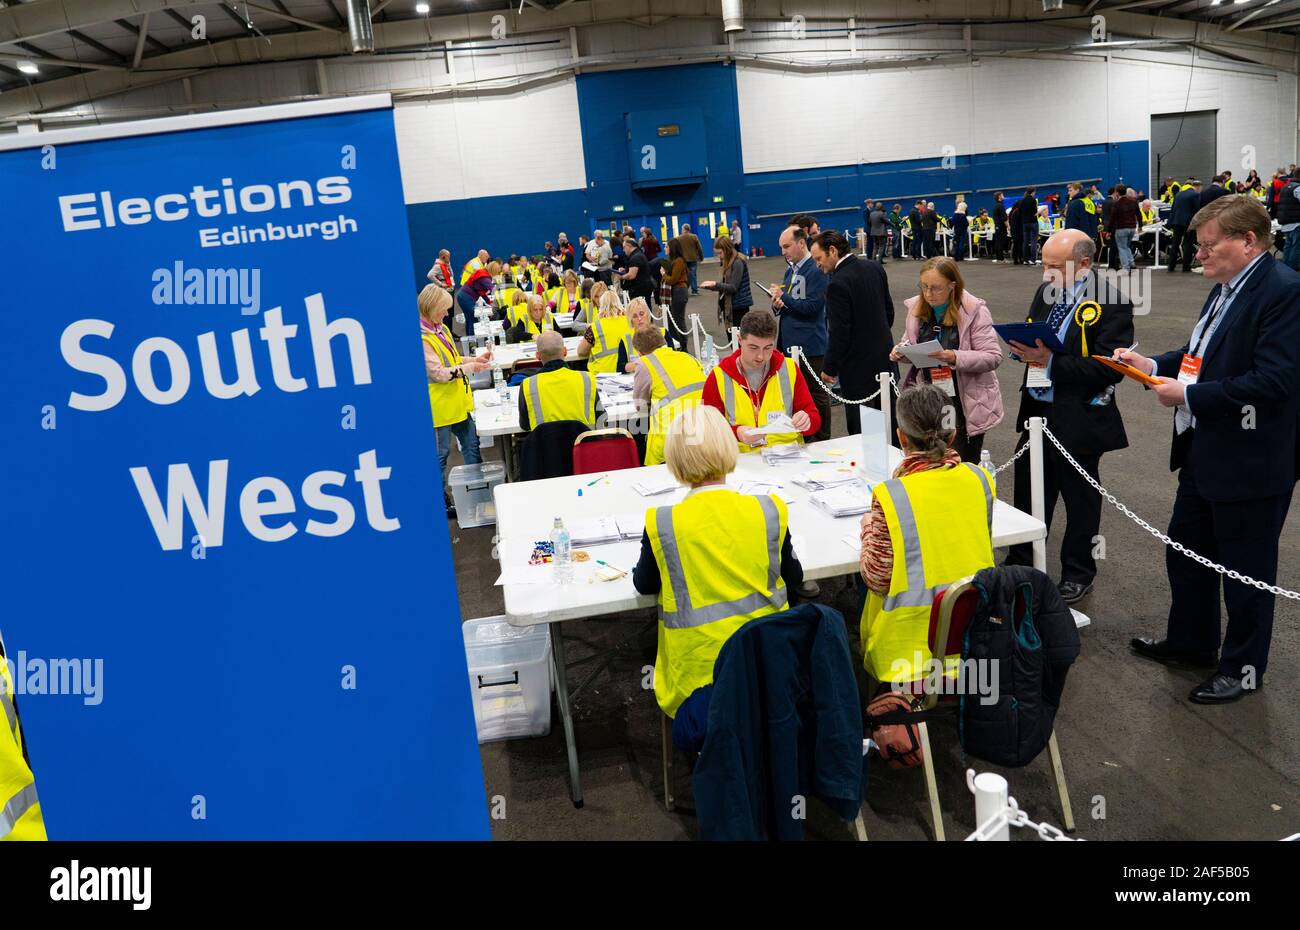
(941, 375)
(1190, 370)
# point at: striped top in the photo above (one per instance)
(876, 559)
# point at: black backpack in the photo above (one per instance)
(1028, 634)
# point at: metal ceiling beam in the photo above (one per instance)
(97, 45)
(141, 35)
(136, 32)
(291, 18)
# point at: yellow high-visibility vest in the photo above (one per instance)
(739, 409)
(503, 295)
(676, 384)
(631, 353)
(563, 394)
(533, 328)
(955, 505)
(563, 304)
(719, 558)
(452, 401)
(1148, 216)
(471, 266)
(607, 332)
(20, 809)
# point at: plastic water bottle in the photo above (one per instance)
(499, 382)
(986, 461)
(562, 551)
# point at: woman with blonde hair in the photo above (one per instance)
(449, 392)
(968, 356)
(638, 317)
(537, 320)
(603, 338)
(734, 295)
(710, 561)
(591, 303)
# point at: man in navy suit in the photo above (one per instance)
(1233, 386)
(1186, 203)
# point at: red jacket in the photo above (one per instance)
(731, 366)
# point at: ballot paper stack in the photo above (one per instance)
(784, 454)
(823, 479)
(846, 500)
(652, 487)
(596, 530)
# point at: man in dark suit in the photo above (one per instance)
(1078, 400)
(1186, 202)
(859, 317)
(1027, 208)
(929, 230)
(1234, 386)
(1213, 192)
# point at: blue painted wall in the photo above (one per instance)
(525, 222)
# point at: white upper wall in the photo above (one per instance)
(453, 148)
(999, 105)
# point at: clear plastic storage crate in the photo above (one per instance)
(509, 678)
(471, 491)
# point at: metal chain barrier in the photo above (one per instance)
(816, 378)
(1011, 461)
(1176, 546)
(1013, 816)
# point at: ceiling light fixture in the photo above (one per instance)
(422, 8)
(26, 67)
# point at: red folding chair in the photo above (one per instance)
(604, 450)
(525, 364)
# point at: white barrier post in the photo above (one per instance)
(695, 335)
(990, 792)
(1155, 265)
(887, 405)
(735, 337)
(1037, 507)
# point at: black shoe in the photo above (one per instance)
(1072, 592)
(1159, 650)
(1221, 689)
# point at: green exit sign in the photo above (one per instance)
(618, 208)
(668, 203)
(717, 200)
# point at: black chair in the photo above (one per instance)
(547, 450)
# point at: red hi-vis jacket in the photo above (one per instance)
(731, 367)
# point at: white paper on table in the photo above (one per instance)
(779, 424)
(631, 525)
(650, 487)
(853, 540)
(525, 574)
(919, 355)
(592, 531)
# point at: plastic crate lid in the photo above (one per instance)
(496, 635)
(477, 474)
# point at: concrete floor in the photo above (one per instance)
(1142, 762)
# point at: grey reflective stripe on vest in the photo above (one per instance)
(599, 332)
(16, 806)
(787, 395)
(685, 615)
(674, 391)
(988, 493)
(729, 397)
(11, 715)
(917, 594)
(535, 395)
(588, 403)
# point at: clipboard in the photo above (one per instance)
(760, 287)
(1127, 370)
(1026, 333)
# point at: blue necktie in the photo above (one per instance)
(1060, 310)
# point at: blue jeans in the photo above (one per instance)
(461, 297)
(468, 436)
(1030, 250)
(898, 244)
(1124, 242)
(960, 242)
(690, 271)
(1291, 252)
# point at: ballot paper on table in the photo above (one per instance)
(784, 453)
(778, 424)
(593, 531)
(744, 486)
(652, 487)
(853, 540)
(821, 479)
(848, 500)
(919, 354)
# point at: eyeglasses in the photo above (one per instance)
(936, 288)
(1207, 247)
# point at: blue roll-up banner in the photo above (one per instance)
(229, 602)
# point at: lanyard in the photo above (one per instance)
(451, 350)
(1210, 319)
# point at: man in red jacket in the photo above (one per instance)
(757, 384)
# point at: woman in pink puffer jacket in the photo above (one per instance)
(970, 356)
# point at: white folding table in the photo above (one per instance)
(525, 511)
